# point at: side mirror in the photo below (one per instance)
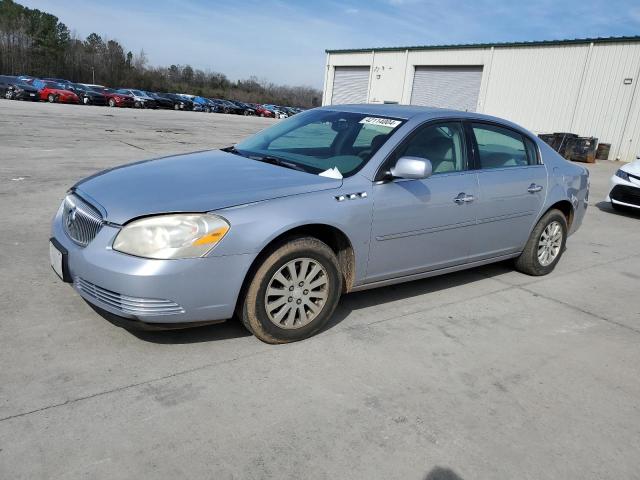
(414, 168)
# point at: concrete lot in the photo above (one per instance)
(484, 374)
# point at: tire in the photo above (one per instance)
(112, 102)
(530, 261)
(262, 115)
(51, 98)
(299, 252)
(176, 106)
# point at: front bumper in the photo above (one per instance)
(624, 192)
(159, 292)
(26, 95)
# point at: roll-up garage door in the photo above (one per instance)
(447, 87)
(350, 85)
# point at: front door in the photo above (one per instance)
(421, 225)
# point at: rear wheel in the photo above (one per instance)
(545, 246)
(293, 293)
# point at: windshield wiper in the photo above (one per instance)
(266, 159)
(231, 149)
(279, 162)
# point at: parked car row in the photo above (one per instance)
(58, 90)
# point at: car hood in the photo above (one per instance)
(633, 168)
(195, 182)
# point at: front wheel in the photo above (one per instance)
(112, 102)
(293, 293)
(545, 246)
(51, 98)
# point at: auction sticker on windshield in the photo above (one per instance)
(383, 122)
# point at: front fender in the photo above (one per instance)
(254, 226)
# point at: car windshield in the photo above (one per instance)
(139, 93)
(321, 140)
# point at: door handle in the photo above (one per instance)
(533, 188)
(463, 198)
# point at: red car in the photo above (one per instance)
(263, 112)
(115, 99)
(54, 92)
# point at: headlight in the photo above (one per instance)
(622, 174)
(171, 236)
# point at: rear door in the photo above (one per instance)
(512, 186)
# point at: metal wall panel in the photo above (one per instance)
(604, 107)
(536, 87)
(387, 77)
(350, 85)
(546, 88)
(447, 87)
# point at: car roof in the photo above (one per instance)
(408, 112)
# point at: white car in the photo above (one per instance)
(625, 186)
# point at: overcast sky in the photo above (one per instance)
(284, 41)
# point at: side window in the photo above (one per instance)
(532, 151)
(311, 135)
(499, 147)
(441, 143)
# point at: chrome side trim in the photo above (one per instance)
(128, 305)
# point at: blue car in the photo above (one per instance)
(336, 199)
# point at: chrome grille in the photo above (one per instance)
(125, 304)
(81, 221)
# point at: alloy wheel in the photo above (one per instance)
(296, 293)
(550, 243)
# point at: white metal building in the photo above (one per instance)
(584, 86)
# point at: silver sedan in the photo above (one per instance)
(332, 200)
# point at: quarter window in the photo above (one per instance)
(442, 144)
(500, 147)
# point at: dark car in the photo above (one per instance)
(225, 106)
(179, 102)
(12, 88)
(89, 96)
(246, 109)
(162, 101)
